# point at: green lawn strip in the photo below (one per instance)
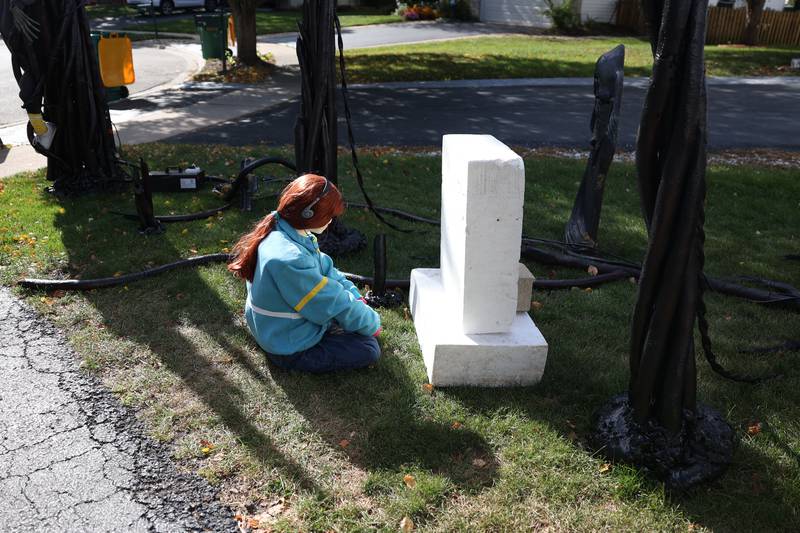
(277, 22)
(109, 11)
(336, 448)
(539, 57)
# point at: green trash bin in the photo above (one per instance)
(213, 30)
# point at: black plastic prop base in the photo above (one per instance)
(340, 240)
(387, 299)
(700, 452)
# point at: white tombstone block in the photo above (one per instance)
(524, 289)
(483, 184)
(455, 358)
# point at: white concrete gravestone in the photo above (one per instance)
(465, 313)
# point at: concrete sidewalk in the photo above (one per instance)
(202, 108)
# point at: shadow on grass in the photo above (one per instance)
(154, 317)
(377, 411)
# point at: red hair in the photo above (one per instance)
(294, 198)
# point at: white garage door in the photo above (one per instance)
(517, 12)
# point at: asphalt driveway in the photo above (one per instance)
(740, 116)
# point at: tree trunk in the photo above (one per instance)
(755, 9)
(244, 16)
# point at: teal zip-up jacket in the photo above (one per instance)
(296, 293)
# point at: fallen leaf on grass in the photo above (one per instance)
(344, 443)
(456, 425)
(409, 480)
(754, 429)
(605, 467)
(427, 387)
(587, 290)
(406, 525)
(536, 306)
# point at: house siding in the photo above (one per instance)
(598, 10)
(775, 5)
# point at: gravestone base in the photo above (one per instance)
(453, 358)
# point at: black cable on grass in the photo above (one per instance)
(104, 283)
(350, 137)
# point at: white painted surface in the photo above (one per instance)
(453, 358)
(483, 185)
(515, 12)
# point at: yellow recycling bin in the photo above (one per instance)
(116, 60)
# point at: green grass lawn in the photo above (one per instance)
(540, 57)
(279, 21)
(331, 452)
(106, 11)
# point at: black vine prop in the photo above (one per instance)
(608, 78)
(315, 132)
(660, 424)
(56, 65)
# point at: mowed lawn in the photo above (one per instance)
(360, 451)
(526, 56)
(279, 21)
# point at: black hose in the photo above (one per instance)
(103, 283)
(243, 173)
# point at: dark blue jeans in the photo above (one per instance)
(336, 351)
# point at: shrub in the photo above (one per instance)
(563, 15)
(417, 11)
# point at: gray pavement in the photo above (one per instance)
(71, 457)
(743, 115)
(155, 67)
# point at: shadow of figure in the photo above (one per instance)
(378, 412)
(159, 317)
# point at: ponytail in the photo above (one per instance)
(305, 191)
(245, 252)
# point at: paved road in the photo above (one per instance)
(72, 458)
(408, 32)
(154, 66)
(739, 116)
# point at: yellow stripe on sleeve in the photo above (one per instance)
(313, 292)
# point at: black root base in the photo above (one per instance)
(700, 452)
(387, 299)
(339, 240)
